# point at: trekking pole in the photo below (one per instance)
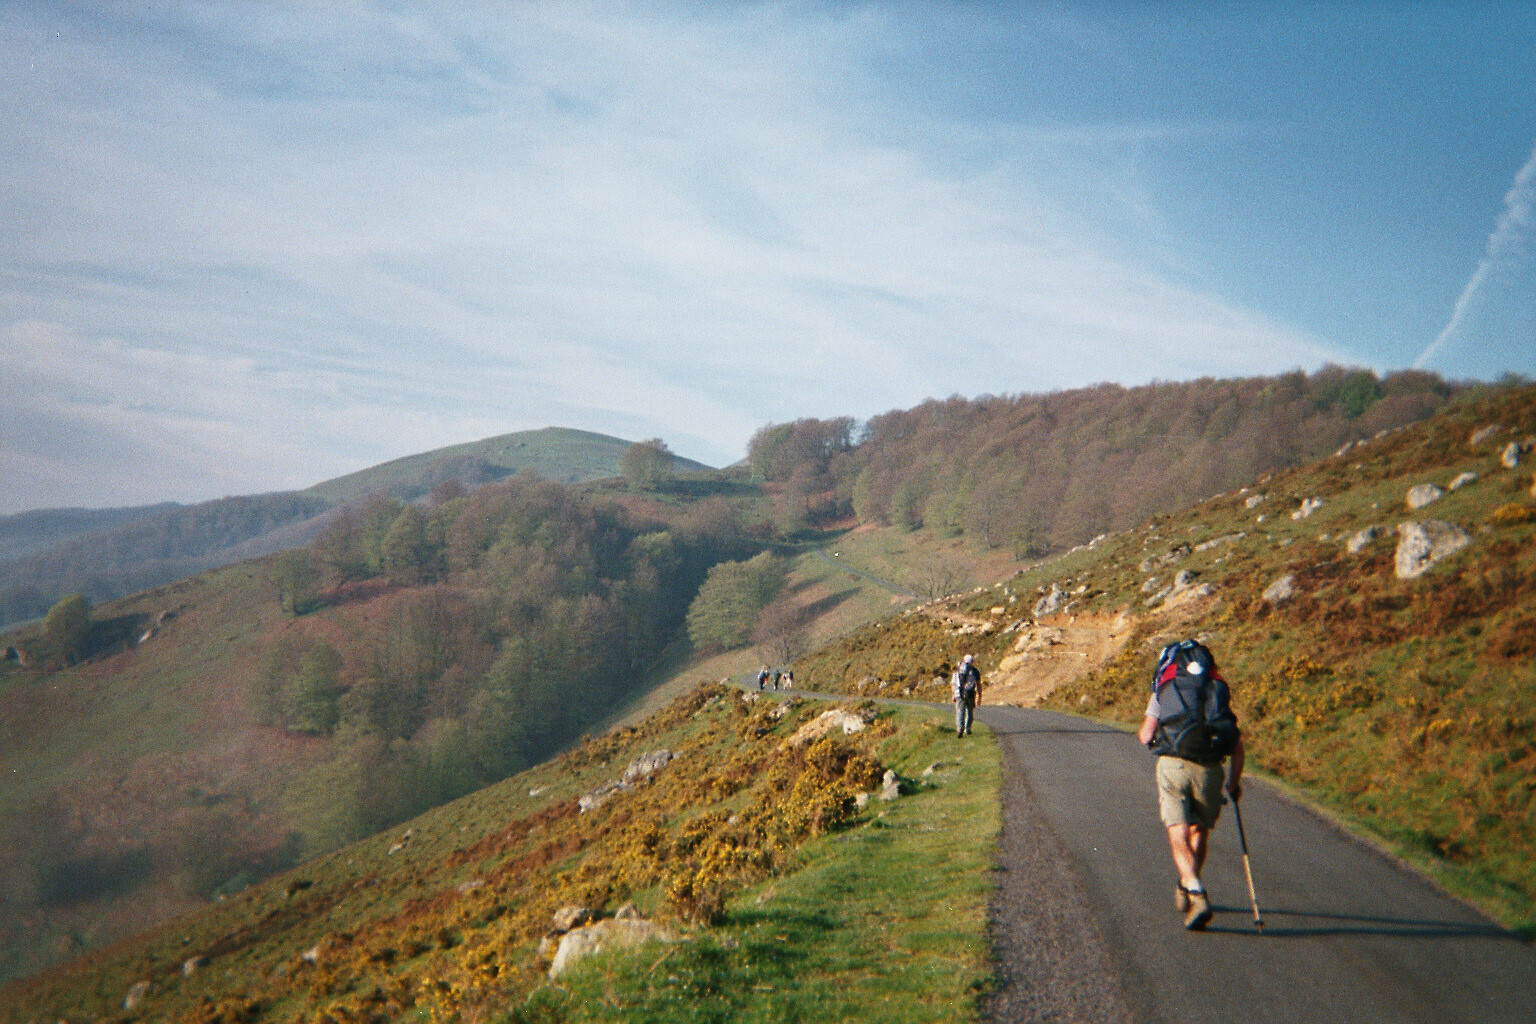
(1237, 813)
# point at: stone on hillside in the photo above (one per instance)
(1420, 495)
(1283, 589)
(837, 718)
(782, 709)
(1150, 585)
(1157, 598)
(1513, 452)
(570, 916)
(1215, 542)
(890, 786)
(604, 936)
(1360, 538)
(1422, 543)
(861, 800)
(1051, 603)
(646, 765)
(136, 995)
(465, 888)
(1308, 506)
(192, 965)
(1255, 499)
(1462, 480)
(629, 912)
(1183, 579)
(1482, 434)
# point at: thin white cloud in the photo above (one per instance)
(1506, 247)
(348, 233)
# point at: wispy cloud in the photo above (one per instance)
(337, 236)
(1507, 245)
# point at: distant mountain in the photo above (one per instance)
(106, 553)
(27, 533)
(553, 453)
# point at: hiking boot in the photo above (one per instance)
(1181, 898)
(1199, 913)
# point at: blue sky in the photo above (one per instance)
(248, 247)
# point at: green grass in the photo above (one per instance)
(883, 922)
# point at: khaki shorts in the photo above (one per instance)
(1189, 793)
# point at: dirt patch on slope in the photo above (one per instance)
(1055, 651)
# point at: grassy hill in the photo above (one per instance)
(107, 553)
(553, 453)
(1406, 706)
(786, 899)
(26, 533)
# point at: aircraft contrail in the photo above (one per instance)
(1515, 222)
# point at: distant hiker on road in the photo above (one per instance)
(762, 677)
(776, 674)
(965, 691)
(789, 680)
(1189, 724)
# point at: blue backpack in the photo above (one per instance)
(1194, 716)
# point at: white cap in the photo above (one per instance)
(968, 658)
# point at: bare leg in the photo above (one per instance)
(1187, 843)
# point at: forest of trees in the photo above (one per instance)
(165, 545)
(1037, 473)
(526, 613)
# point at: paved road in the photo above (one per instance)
(1085, 928)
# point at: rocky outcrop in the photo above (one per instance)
(1420, 495)
(638, 771)
(1422, 543)
(890, 786)
(1051, 603)
(610, 934)
(136, 995)
(1482, 434)
(1361, 539)
(1308, 506)
(1254, 500)
(849, 722)
(1282, 590)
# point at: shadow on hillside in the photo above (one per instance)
(779, 939)
(109, 636)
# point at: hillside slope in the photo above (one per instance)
(1398, 692)
(553, 453)
(740, 834)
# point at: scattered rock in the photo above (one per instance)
(1360, 538)
(646, 765)
(192, 965)
(783, 708)
(136, 995)
(1150, 585)
(1420, 495)
(538, 791)
(1512, 454)
(861, 800)
(604, 936)
(1183, 579)
(1482, 434)
(627, 912)
(1215, 542)
(1420, 544)
(311, 955)
(1283, 589)
(935, 766)
(837, 718)
(570, 916)
(1308, 506)
(1254, 500)
(1462, 480)
(465, 888)
(1051, 603)
(890, 786)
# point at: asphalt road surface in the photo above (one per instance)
(1085, 930)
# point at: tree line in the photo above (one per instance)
(1038, 473)
(523, 613)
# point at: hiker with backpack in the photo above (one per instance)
(762, 678)
(965, 691)
(1189, 724)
